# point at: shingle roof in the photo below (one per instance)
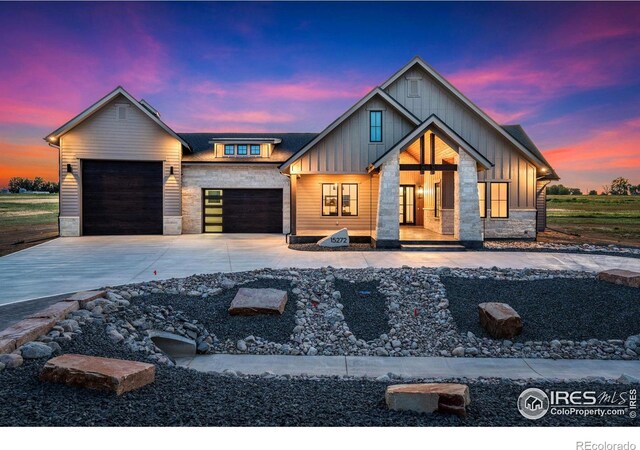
(518, 133)
(201, 146)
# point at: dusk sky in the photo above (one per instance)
(568, 72)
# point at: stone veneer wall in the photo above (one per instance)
(69, 226)
(387, 224)
(521, 224)
(467, 225)
(201, 176)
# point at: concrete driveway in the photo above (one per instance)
(67, 265)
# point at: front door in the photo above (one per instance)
(407, 211)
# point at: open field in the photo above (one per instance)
(27, 220)
(610, 219)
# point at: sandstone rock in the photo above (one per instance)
(27, 330)
(92, 372)
(619, 276)
(85, 296)
(338, 239)
(429, 397)
(500, 320)
(56, 311)
(35, 350)
(11, 360)
(173, 345)
(7, 345)
(248, 302)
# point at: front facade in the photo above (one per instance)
(412, 161)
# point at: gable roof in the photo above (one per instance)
(201, 146)
(521, 136)
(541, 163)
(373, 93)
(433, 122)
(54, 136)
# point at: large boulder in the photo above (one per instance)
(338, 239)
(500, 320)
(619, 276)
(11, 360)
(35, 350)
(93, 372)
(172, 344)
(250, 302)
(427, 398)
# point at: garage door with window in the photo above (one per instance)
(121, 197)
(242, 211)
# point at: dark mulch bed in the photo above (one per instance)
(550, 250)
(213, 313)
(560, 308)
(366, 315)
(181, 397)
(317, 248)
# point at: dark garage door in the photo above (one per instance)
(242, 210)
(121, 197)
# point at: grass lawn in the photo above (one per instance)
(26, 220)
(610, 219)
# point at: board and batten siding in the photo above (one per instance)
(309, 203)
(347, 148)
(104, 136)
(509, 163)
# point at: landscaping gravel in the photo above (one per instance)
(365, 309)
(552, 247)
(560, 308)
(181, 397)
(213, 312)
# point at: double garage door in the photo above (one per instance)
(242, 210)
(121, 197)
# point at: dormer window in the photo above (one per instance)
(242, 149)
(229, 150)
(121, 112)
(255, 150)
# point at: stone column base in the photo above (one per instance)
(172, 225)
(472, 244)
(69, 226)
(385, 243)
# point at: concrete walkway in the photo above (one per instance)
(67, 265)
(414, 367)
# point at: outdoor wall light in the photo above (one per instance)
(420, 191)
(171, 170)
(69, 168)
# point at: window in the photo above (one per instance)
(330, 199)
(482, 199)
(229, 149)
(500, 200)
(349, 199)
(255, 149)
(242, 149)
(375, 126)
(121, 111)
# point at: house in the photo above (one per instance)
(414, 160)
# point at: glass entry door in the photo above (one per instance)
(407, 211)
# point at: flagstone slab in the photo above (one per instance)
(7, 345)
(620, 276)
(249, 302)
(56, 311)
(85, 297)
(27, 330)
(98, 373)
(427, 398)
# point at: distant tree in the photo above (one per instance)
(593, 192)
(575, 191)
(37, 184)
(620, 186)
(606, 190)
(559, 189)
(634, 190)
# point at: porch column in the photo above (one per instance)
(388, 220)
(467, 226)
